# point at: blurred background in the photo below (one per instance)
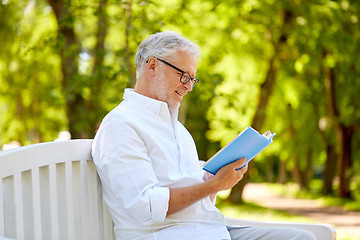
(289, 66)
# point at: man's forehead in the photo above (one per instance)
(184, 60)
(181, 54)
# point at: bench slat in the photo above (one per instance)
(36, 201)
(54, 206)
(69, 202)
(2, 213)
(19, 211)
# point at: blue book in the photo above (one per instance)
(247, 144)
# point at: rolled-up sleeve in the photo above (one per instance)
(158, 201)
(130, 185)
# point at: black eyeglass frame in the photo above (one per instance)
(194, 80)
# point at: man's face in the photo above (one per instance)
(170, 89)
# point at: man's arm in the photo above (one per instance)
(225, 178)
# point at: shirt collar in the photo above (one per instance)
(155, 106)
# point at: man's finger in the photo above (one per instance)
(239, 163)
(244, 169)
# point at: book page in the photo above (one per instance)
(267, 134)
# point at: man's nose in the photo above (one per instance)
(189, 86)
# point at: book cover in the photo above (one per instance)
(247, 144)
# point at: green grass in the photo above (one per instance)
(349, 205)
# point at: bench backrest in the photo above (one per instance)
(52, 191)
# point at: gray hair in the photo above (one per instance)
(161, 45)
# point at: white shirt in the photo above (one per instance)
(140, 151)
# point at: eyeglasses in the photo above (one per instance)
(185, 76)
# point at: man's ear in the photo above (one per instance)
(151, 65)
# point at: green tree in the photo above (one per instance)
(31, 104)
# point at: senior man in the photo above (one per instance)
(147, 161)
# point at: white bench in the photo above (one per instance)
(52, 191)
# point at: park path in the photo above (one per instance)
(344, 221)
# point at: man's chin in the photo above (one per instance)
(173, 105)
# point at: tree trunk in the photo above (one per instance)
(345, 138)
(301, 174)
(269, 171)
(258, 120)
(329, 171)
(343, 134)
(263, 99)
(308, 171)
(95, 108)
(69, 53)
(282, 178)
(266, 89)
(297, 173)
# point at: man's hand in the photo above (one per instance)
(228, 176)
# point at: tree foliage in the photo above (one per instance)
(288, 66)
